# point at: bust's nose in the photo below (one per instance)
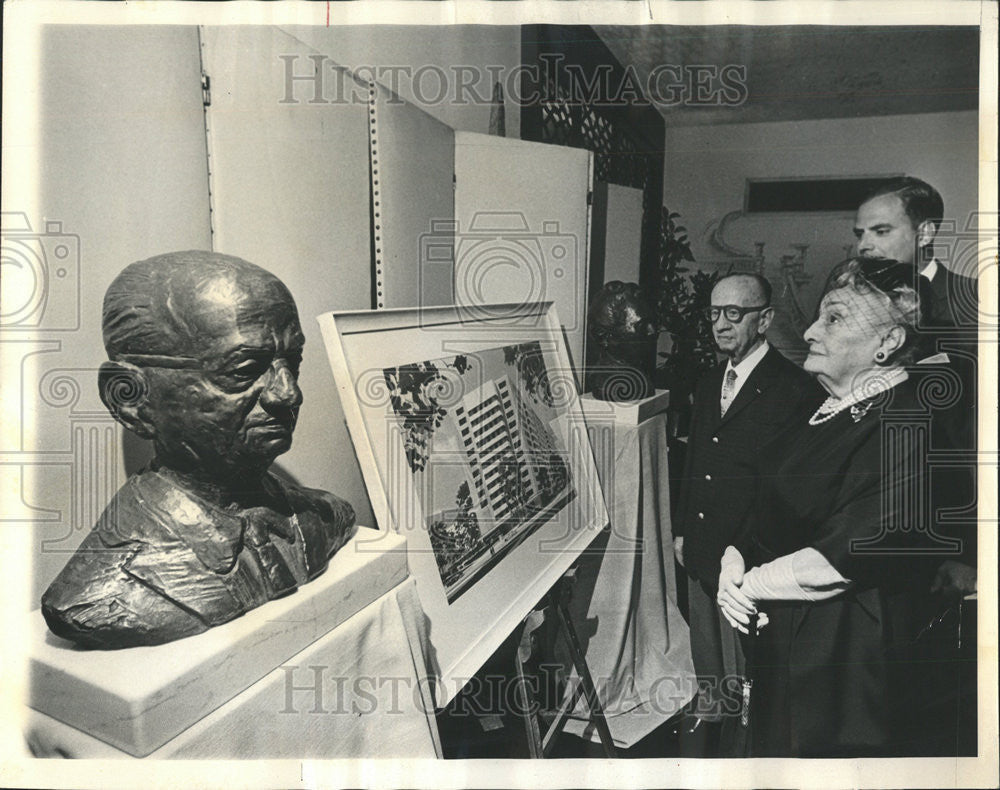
(283, 388)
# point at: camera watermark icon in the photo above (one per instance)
(40, 272)
(71, 457)
(501, 265)
(91, 459)
(74, 471)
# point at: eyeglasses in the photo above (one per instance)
(733, 312)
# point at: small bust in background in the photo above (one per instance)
(622, 325)
(204, 352)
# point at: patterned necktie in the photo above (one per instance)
(728, 388)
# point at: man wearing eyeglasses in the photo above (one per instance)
(204, 353)
(737, 408)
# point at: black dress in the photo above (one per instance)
(828, 676)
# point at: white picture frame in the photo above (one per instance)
(469, 386)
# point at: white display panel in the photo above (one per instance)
(413, 202)
(623, 236)
(522, 227)
(290, 193)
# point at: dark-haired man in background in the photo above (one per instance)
(901, 219)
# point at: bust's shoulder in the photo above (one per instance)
(149, 509)
(130, 517)
(327, 522)
(103, 598)
(329, 507)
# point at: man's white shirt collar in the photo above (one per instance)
(746, 366)
(940, 358)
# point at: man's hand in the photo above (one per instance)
(736, 607)
(954, 579)
(679, 550)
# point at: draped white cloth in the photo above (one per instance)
(624, 604)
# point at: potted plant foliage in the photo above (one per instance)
(680, 299)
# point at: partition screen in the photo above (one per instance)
(413, 203)
(522, 227)
(290, 193)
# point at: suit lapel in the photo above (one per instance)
(754, 386)
(711, 409)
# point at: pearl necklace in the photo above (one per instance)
(832, 406)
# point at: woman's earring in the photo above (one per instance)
(880, 356)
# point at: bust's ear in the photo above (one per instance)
(124, 389)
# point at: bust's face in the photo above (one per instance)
(232, 405)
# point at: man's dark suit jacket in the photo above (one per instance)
(951, 327)
(719, 480)
(955, 299)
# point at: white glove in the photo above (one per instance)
(803, 575)
(735, 605)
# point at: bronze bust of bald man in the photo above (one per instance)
(204, 352)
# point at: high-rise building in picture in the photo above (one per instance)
(538, 444)
(505, 442)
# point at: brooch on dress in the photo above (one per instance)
(859, 410)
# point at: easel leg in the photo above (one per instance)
(580, 662)
(537, 747)
(526, 698)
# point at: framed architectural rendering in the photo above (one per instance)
(468, 429)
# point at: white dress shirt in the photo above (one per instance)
(745, 368)
(930, 270)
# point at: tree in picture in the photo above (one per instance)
(416, 392)
(527, 359)
(456, 534)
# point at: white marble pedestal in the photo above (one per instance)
(333, 670)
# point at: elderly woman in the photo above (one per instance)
(827, 570)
